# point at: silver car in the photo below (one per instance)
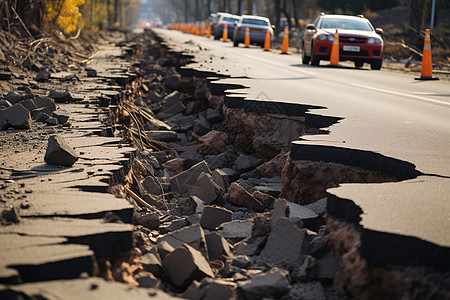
(258, 27)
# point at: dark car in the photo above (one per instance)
(358, 40)
(257, 27)
(225, 19)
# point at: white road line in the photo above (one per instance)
(296, 69)
(401, 94)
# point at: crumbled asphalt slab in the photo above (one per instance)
(201, 188)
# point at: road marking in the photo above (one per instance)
(281, 65)
(401, 94)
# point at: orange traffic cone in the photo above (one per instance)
(247, 37)
(202, 31)
(208, 32)
(334, 57)
(285, 45)
(225, 33)
(267, 41)
(427, 67)
(197, 31)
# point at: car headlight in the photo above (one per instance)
(324, 37)
(373, 40)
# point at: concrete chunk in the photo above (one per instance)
(240, 197)
(214, 116)
(246, 163)
(214, 142)
(151, 262)
(192, 235)
(184, 180)
(280, 210)
(236, 230)
(61, 97)
(284, 246)
(218, 247)
(163, 135)
(274, 283)
(201, 126)
(16, 116)
(171, 99)
(59, 152)
(186, 264)
(214, 216)
(206, 188)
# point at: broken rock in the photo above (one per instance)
(163, 135)
(214, 116)
(184, 180)
(206, 188)
(237, 195)
(59, 152)
(245, 163)
(148, 220)
(192, 235)
(147, 280)
(284, 246)
(213, 216)
(274, 283)
(16, 116)
(237, 230)
(273, 167)
(218, 247)
(61, 97)
(151, 262)
(214, 142)
(174, 165)
(201, 126)
(173, 81)
(266, 199)
(186, 264)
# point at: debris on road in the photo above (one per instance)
(211, 187)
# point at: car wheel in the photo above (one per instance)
(235, 43)
(376, 64)
(216, 37)
(314, 60)
(359, 64)
(305, 58)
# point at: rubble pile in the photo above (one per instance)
(220, 207)
(210, 219)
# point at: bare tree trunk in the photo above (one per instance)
(277, 17)
(294, 7)
(286, 14)
(239, 4)
(116, 11)
(415, 21)
(249, 7)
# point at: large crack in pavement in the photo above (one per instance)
(206, 175)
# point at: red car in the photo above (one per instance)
(358, 40)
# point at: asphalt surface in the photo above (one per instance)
(402, 120)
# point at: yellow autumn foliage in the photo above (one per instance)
(64, 14)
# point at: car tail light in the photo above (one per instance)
(239, 28)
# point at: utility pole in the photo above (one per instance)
(249, 7)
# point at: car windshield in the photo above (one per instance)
(255, 22)
(228, 19)
(352, 24)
